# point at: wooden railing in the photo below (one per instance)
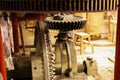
(58, 5)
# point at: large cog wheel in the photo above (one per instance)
(45, 52)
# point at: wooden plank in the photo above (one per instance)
(96, 4)
(104, 4)
(99, 4)
(110, 4)
(88, 1)
(92, 5)
(114, 5)
(22, 40)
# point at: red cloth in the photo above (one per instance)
(2, 61)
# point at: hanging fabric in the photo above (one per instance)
(10, 31)
(6, 43)
(3, 75)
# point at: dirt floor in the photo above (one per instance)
(105, 61)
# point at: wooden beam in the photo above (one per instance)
(15, 33)
(117, 56)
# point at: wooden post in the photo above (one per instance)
(21, 36)
(117, 56)
(15, 33)
(2, 61)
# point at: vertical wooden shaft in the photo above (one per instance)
(117, 56)
(15, 34)
(2, 61)
(21, 36)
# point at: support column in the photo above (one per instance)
(15, 33)
(2, 61)
(117, 56)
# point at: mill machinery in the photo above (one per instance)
(61, 63)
